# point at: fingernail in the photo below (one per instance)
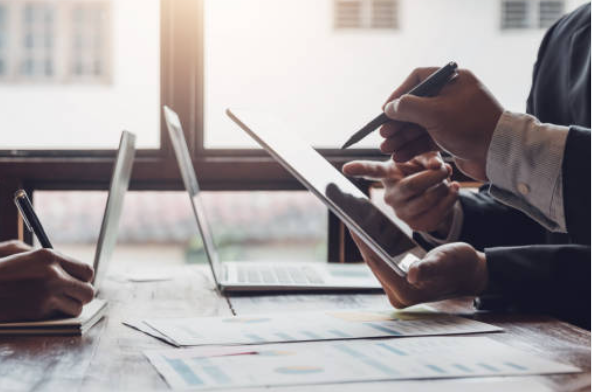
(391, 108)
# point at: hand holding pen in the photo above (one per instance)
(426, 87)
(37, 284)
(459, 120)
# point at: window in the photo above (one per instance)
(530, 14)
(89, 38)
(549, 12)
(366, 14)
(286, 57)
(160, 227)
(95, 60)
(55, 41)
(3, 42)
(37, 39)
(327, 83)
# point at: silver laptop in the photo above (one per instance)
(110, 225)
(384, 235)
(267, 276)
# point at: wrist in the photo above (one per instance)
(443, 228)
(481, 275)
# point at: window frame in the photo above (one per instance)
(181, 23)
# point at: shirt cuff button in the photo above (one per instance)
(523, 189)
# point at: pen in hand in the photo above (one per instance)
(32, 222)
(428, 88)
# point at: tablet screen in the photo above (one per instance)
(351, 205)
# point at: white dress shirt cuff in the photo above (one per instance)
(524, 166)
(455, 228)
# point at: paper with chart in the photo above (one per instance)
(319, 325)
(346, 361)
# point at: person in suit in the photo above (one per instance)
(42, 283)
(523, 241)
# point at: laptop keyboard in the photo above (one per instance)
(278, 275)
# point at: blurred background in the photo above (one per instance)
(89, 68)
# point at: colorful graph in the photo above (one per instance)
(304, 369)
(274, 353)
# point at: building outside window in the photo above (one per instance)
(89, 57)
(54, 41)
(3, 41)
(37, 41)
(366, 14)
(530, 14)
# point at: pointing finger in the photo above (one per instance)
(371, 170)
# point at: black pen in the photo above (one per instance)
(30, 217)
(428, 88)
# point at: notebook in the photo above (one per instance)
(91, 314)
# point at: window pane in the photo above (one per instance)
(290, 58)
(74, 74)
(159, 226)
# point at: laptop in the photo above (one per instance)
(117, 189)
(381, 233)
(261, 276)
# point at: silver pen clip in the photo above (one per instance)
(18, 196)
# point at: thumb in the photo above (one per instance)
(410, 108)
(370, 170)
(437, 264)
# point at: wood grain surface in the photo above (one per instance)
(109, 357)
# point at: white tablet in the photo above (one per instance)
(340, 195)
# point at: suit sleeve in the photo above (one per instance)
(488, 223)
(551, 279)
(576, 184)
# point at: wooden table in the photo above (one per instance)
(109, 356)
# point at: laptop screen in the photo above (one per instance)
(191, 184)
(119, 184)
(351, 205)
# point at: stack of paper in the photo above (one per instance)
(346, 361)
(308, 326)
(90, 315)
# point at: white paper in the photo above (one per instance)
(308, 326)
(347, 361)
(139, 325)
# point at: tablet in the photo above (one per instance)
(381, 233)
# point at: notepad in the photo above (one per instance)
(91, 314)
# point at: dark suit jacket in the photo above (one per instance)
(530, 268)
